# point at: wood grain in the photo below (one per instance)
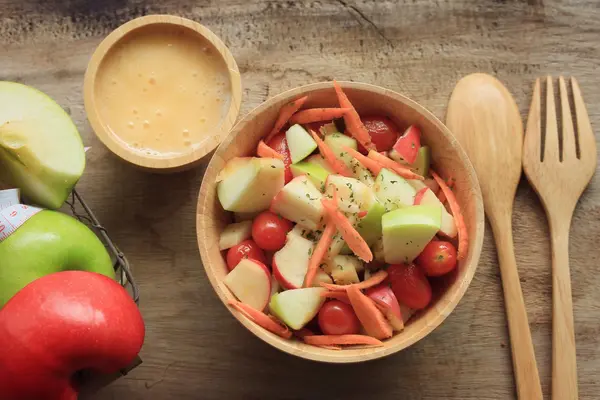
(194, 348)
(560, 177)
(448, 160)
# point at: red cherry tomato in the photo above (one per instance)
(269, 230)
(383, 131)
(338, 318)
(410, 285)
(245, 249)
(280, 145)
(437, 258)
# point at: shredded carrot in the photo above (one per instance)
(333, 340)
(336, 164)
(337, 295)
(319, 253)
(302, 333)
(396, 322)
(262, 150)
(353, 123)
(373, 280)
(261, 319)
(368, 314)
(401, 170)
(372, 165)
(285, 114)
(463, 236)
(356, 243)
(317, 114)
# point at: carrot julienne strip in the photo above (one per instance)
(319, 253)
(368, 314)
(336, 164)
(353, 123)
(337, 340)
(463, 236)
(394, 166)
(373, 280)
(261, 319)
(317, 114)
(285, 114)
(262, 150)
(367, 162)
(337, 295)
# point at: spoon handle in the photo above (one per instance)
(564, 362)
(524, 363)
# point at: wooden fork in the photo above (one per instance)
(559, 182)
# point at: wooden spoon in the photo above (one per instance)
(485, 119)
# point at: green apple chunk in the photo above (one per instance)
(393, 191)
(337, 142)
(421, 164)
(41, 151)
(352, 194)
(300, 143)
(406, 232)
(297, 307)
(319, 160)
(344, 269)
(49, 242)
(234, 234)
(315, 172)
(300, 202)
(369, 226)
(361, 173)
(248, 184)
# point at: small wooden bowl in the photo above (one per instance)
(449, 160)
(170, 163)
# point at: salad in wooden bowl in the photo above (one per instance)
(340, 222)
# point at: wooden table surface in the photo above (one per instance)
(194, 348)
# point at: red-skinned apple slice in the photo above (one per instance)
(250, 282)
(386, 301)
(426, 197)
(291, 262)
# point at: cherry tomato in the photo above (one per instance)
(280, 145)
(410, 285)
(338, 318)
(269, 230)
(245, 249)
(437, 258)
(383, 131)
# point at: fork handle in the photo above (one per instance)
(564, 362)
(524, 364)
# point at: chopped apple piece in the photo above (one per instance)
(319, 160)
(300, 202)
(315, 172)
(234, 234)
(361, 173)
(406, 232)
(300, 143)
(387, 302)
(428, 198)
(297, 307)
(291, 262)
(393, 191)
(250, 282)
(248, 184)
(337, 142)
(321, 277)
(344, 269)
(352, 194)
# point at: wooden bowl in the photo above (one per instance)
(175, 162)
(448, 158)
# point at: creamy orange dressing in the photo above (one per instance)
(163, 91)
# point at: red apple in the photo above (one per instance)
(63, 323)
(291, 262)
(386, 301)
(250, 282)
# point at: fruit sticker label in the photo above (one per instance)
(9, 197)
(12, 217)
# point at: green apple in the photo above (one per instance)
(234, 234)
(361, 173)
(49, 242)
(426, 197)
(300, 202)
(297, 307)
(406, 232)
(41, 151)
(248, 184)
(319, 160)
(315, 172)
(369, 226)
(300, 143)
(344, 269)
(352, 194)
(337, 142)
(393, 191)
(421, 164)
(377, 248)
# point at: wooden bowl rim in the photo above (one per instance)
(163, 163)
(359, 354)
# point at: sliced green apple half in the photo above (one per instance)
(248, 184)
(315, 172)
(300, 202)
(300, 143)
(41, 151)
(298, 306)
(406, 232)
(393, 191)
(426, 197)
